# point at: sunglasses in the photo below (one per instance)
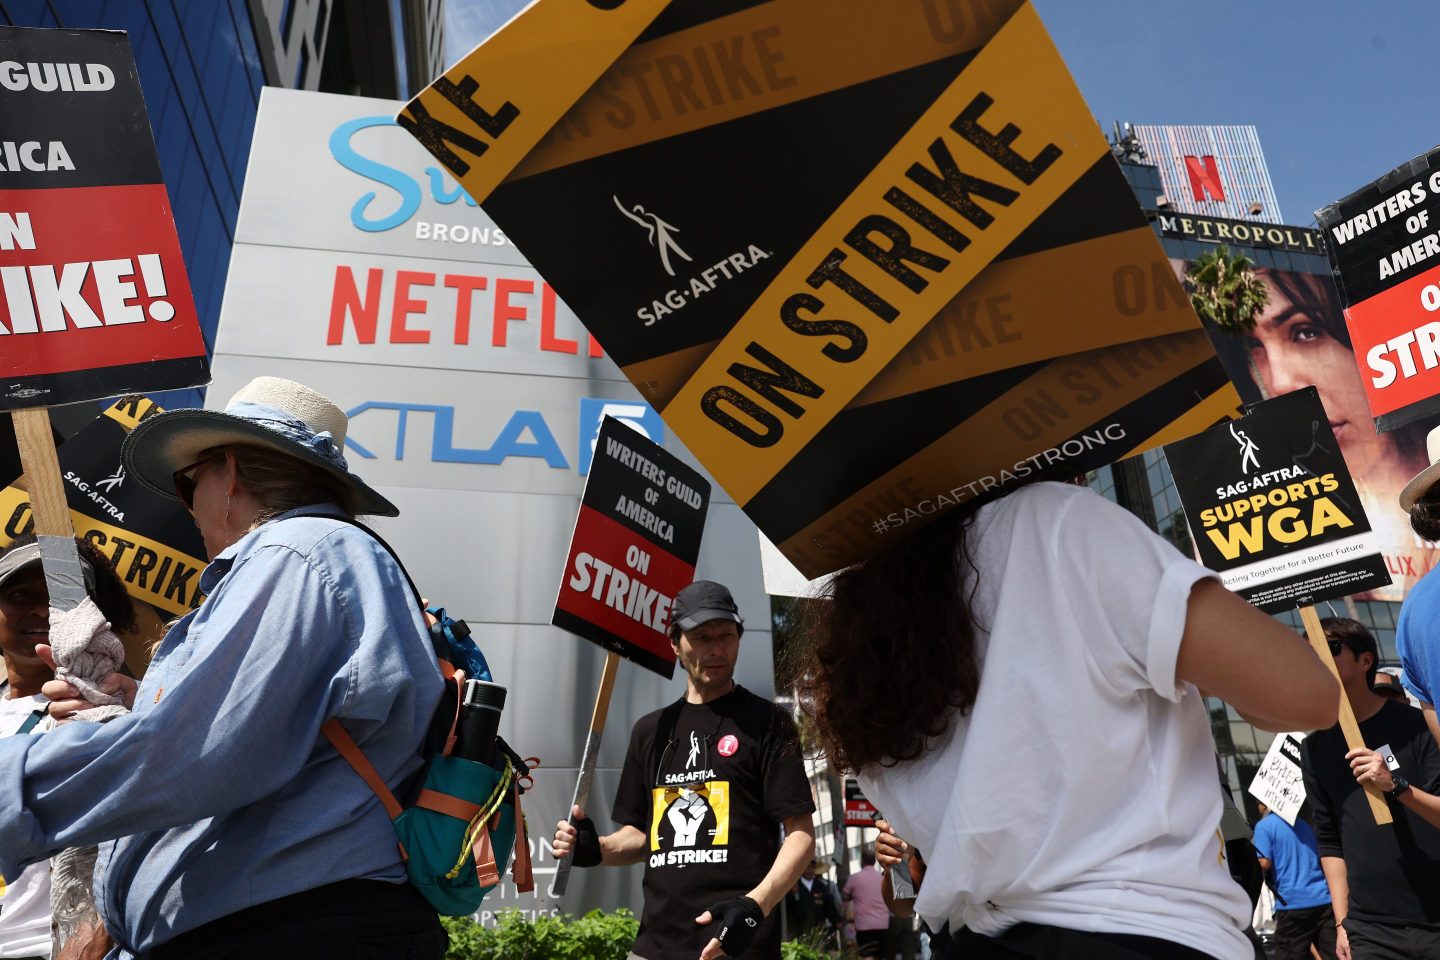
(1337, 645)
(185, 479)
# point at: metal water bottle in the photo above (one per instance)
(479, 720)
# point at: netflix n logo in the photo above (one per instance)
(1204, 178)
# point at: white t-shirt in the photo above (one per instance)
(1081, 791)
(25, 901)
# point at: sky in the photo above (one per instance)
(1341, 91)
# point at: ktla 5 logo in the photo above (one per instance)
(526, 434)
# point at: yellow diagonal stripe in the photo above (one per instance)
(129, 411)
(1007, 316)
(1223, 404)
(768, 389)
(1006, 442)
(754, 60)
(489, 110)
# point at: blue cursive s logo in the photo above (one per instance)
(407, 189)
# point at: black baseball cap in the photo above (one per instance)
(703, 601)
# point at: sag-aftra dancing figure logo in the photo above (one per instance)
(1248, 449)
(658, 231)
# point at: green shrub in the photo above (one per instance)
(800, 950)
(595, 936)
(816, 945)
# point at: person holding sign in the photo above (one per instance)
(242, 832)
(1085, 822)
(25, 899)
(706, 783)
(1384, 880)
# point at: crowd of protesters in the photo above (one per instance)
(1069, 812)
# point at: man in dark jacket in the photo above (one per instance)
(814, 903)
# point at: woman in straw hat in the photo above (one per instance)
(242, 832)
(1038, 730)
(1417, 636)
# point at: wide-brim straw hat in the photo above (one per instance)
(270, 412)
(1426, 478)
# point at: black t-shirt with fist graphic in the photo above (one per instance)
(710, 796)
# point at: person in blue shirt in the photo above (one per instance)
(241, 832)
(1416, 637)
(1303, 916)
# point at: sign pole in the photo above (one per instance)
(54, 530)
(1348, 724)
(587, 761)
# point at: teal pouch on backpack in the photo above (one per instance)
(454, 860)
(456, 837)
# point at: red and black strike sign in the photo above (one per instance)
(94, 299)
(859, 812)
(635, 545)
(1384, 247)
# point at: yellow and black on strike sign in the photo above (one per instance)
(152, 541)
(869, 260)
(1272, 507)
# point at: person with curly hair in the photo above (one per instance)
(1018, 687)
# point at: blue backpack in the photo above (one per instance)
(462, 819)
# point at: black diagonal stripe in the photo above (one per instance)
(769, 179)
(49, 389)
(1099, 204)
(862, 444)
(684, 14)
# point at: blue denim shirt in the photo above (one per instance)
(219, 784)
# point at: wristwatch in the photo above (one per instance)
(1402, 786)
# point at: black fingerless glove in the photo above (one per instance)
(587, 843)
(737, 920)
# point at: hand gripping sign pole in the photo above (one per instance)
(587, 762)
(1273, 510)
(1348, 725)
(636, 541)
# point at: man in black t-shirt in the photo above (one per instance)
(1384, 880)
(707, 783)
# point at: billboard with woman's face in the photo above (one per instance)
(1300, 340)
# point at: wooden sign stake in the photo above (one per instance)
(587, 761)
(54, 529)
(1348, 724)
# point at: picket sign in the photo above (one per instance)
(641, 519)
(64, 578)
(1278, 441)
(587, 762)
(1348, 725)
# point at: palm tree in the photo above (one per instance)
(1225, 290)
